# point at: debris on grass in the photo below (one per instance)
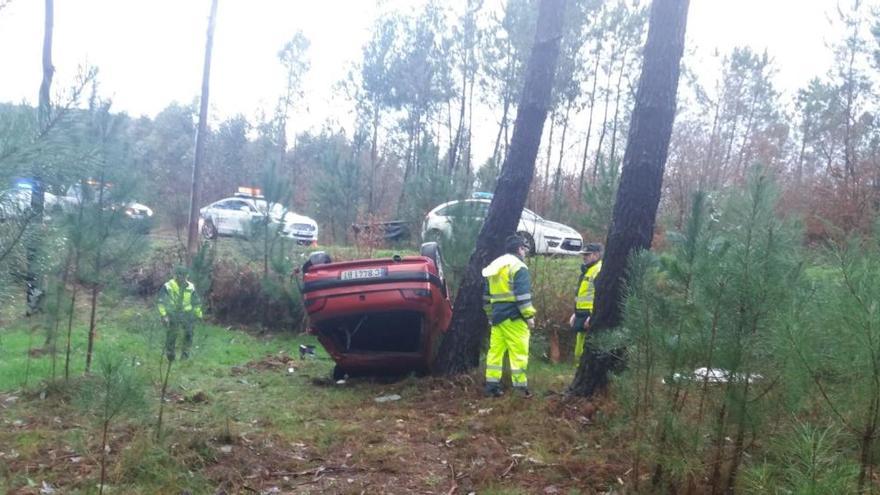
(387, 398)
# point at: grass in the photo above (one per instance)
(238, 419)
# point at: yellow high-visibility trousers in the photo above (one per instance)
(511, 336)
(579, 340)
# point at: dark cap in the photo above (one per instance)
(591, 247)
(513, 242)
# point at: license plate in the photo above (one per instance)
(362, 274)
(575, 243)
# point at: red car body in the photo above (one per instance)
(381, 316)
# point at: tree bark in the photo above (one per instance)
(635, 207)
(201, 135)
(460, 349)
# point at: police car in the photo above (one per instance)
(239, 214)
(542, 236)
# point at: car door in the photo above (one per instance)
(238, 216)
(215, 213)
(528, 222)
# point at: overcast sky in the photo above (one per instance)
(150, 52)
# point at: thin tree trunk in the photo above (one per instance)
(192, 239)
(456, 143)
(374, 157)
(33, 291)
(725, 162)
(546, 178)
(590, 121)
(557, 177)
(638, 196)
(497, 149)
(45, 104)
(162, 398)
(747, 135)
(710, 151)
(604, 127)
(92, 327)
(77, 247)
(460, 349)
(56, 316)
(467, 157)
(96, 283)
(616, 119)
(799, 173)
(104, 454)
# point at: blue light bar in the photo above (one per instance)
(482, 195)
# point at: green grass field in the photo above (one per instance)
(238, 418)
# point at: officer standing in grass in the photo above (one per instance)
(586, 294)
(508, 298)
(179, 306)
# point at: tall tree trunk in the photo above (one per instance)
(799, 173)
(557, 177)
(710, 151)
(611, 155)
(33, 290)
(604, 127)
(103, 234)
(502, 127)
(374, 156)
(546, 179)
(635, 207)
(747, 134)
(460, 349)
(848, 151)
(192, 233)
(467, 157)
(590, 120)
(45, 107)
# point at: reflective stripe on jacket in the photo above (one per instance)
(587, 290)
(173, 299)
(507, 290)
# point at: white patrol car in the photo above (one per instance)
(237, 216)
(542, 236)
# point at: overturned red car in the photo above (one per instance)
(378, 316)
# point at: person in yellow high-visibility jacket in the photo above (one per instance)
(508, 304)
(179, 306)
(586, 294)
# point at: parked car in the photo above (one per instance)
(542, 236)
(390, 232)
(378, 316)
(240, 214)
(15, 202)
(140, 215)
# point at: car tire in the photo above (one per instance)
(530, 242)
(209, 231)
(432, 250)
(316, 258)
(339, 373)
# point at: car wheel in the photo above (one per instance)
(338, 373)
(530, 242)
(209, 231)
(432, 250)
(316, 258)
